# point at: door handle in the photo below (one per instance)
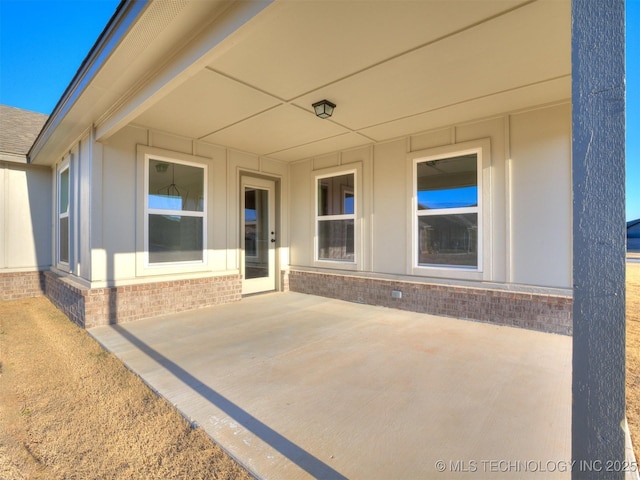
(273, 240)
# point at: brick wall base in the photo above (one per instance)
(546, 313)
(89, 307)
(284, 280)
(16, 285)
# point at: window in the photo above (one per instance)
(335, 219)
(63, 214)
(175, 211)
(447, 196)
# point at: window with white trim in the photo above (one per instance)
(447, 193)
(335, 217)
(175, 211)
(63, 214)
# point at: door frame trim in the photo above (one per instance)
(246, 178)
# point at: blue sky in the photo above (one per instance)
(43, 43)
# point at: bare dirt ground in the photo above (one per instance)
(70, 410)
(633, 354)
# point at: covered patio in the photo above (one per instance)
(219, 96)
(297, 386)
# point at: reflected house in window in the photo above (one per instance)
(633, 236)
(250, 246)
(256, 233)
(447, 210)
(336, 218)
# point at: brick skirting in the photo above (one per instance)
(16, 285)
(102, 306)
(546, 313)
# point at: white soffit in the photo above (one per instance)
(147, 46)
(392, 67)
(278, 129)
(204, 104)
(125, 57)
(513, 50)
(296, 47)
(553, 91)
(321, 147)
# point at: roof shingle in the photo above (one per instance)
(19, 129)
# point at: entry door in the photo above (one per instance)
(258, 235)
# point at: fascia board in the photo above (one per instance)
(180, 66)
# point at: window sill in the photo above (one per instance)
(336, 264)
(449, 272)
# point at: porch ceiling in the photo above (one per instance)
(392, 67)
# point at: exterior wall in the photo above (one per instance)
(122, 218)
(90, 307)
(25, 229)
(522, 221)
(527, 204)
(106, 280)
(526, 198)
(17, 285)
(543, 312)
(81, 195)
(541, 221)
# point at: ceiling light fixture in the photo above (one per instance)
(324, 108)
(162, 167)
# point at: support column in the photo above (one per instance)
(598, 84)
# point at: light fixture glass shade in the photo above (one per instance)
(324, 108)
(162, 167)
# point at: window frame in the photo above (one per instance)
(65, 166)
(481, 148)
(143, 267)
(336, 263)
(181, 213)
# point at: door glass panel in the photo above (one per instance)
(256, 233)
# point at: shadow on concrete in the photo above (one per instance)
(293, 452)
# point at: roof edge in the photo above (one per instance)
(119, 24)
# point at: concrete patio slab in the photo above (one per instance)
(296, 386)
